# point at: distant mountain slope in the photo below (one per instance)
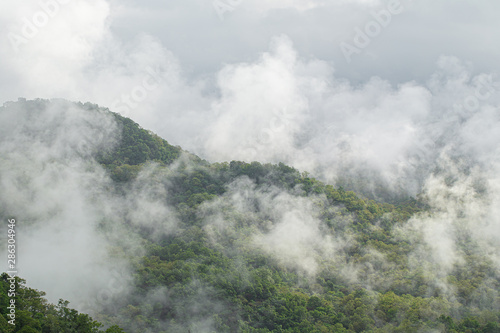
(173, 243)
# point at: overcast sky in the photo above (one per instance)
(258, 79)
(203, 35)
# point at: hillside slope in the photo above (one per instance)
(224, 247)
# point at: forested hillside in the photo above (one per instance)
(236, 246)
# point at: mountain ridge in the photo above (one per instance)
(237, 246)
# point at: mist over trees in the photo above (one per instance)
(141, 236)
(249, 166)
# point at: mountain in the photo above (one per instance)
(142, 235)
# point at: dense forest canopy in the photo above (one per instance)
(236, 246)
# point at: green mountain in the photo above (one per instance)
(245, 247)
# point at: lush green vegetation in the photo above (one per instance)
(254, 293)
(34, 314)
(135, 147)
(200, 280)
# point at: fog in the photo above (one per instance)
(415, 112)
(272, 95)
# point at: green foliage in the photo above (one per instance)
(193, 281)
(137, 146)
(34, 314)
(114, 329)
(246, 291)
